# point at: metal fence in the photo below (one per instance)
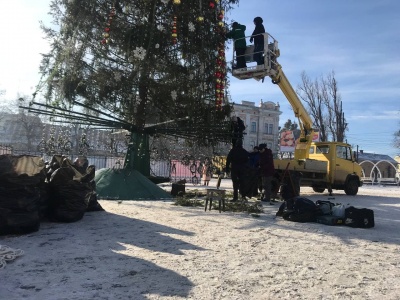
(99, 161)
(175, 170)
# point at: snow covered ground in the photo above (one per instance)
(156, 250)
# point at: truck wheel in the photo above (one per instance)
(351, 187)
(318, 189)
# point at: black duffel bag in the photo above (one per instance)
(359, 217)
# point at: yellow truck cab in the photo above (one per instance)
(343, 172)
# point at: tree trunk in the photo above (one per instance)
(138, 154)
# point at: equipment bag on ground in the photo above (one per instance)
(329, 220)
(339, 211)
(304, 210)
(359, 217)
(325, 206)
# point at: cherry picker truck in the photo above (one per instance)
(320, 165)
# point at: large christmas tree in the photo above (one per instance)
(145, 62)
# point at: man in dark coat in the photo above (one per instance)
(237, 128)
(237, 34)
(267, 171)
(258, 38)
(254, 158)
(236, 163)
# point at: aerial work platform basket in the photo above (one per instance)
(270, 67)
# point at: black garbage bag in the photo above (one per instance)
(43, 205)
(68, 198)
(18, 221)
(94, 205)
(17, 197)
(88, 178)
(20, 197)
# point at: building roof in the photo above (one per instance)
(375, 157)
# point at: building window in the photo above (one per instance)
(253, 127)
(266, 128)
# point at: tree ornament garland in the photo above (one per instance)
(174, 32)
(106, 34)
(220, 74)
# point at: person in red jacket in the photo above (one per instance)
(267, 171)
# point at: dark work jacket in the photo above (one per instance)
(267, 163)
(254, 159)
(237, 34)
(256, 35)
(238, 157)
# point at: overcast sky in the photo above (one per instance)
(359, 40)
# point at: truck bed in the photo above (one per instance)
(309, 165)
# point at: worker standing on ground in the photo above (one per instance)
(238, 35)
(236, 163)
(254, 158)
(267, 171)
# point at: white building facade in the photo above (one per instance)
(262, 123)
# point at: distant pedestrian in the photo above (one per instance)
(206, 173)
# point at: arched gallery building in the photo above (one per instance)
(378, 168)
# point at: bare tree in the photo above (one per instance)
(337, 124)
(324, 105)
(396, 141)
(30, 125)
(312, 94)
(4, 109)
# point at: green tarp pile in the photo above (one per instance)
(125, 184)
